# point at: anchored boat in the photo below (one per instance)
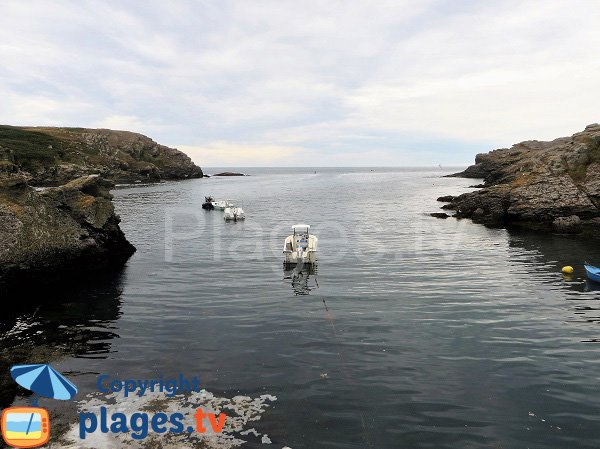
(208, 203)
(222, 205)
(301, 246)
(593, 272)
(233, 212)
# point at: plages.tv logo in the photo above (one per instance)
(25, 427)
(140, 424)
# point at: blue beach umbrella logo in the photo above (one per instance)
(44, 381)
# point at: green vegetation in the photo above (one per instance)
(31, 148)
(55, 155)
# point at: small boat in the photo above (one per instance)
(234, 212)
(593, 273)
(221, 205)
(208, 203)
(301, 246)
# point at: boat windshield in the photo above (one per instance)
(301, 229)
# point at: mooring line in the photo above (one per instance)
(349, 379)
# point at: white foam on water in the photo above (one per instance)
(240, 411)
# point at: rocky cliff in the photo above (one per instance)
(54, 156)
(58, 231)
(541, 185)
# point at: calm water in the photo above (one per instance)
(414, 332)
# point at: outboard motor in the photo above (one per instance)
(300, 257)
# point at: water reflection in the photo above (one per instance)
(68, 321)
(548, 253)
(543, 256)
(591, 286)
(303, 279)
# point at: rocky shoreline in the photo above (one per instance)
(549, 186)
(58, 232)
(69, 229)
(55, 156)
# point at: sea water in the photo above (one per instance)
(412, 332)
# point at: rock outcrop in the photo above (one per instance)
(54, 156)
(56, 232)
(541, 185)
(229, 173)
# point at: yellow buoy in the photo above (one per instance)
(567, 270)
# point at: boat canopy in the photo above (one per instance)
(300, 227)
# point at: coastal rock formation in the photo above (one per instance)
(541, 185)
(229, 173)
(57, 231)
(54, 156)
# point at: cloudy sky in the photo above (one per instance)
(293, 83)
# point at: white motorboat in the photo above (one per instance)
(233, 211)
(222, 205)
(301, 246)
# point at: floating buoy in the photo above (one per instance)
(567, 270)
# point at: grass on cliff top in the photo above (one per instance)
(36, 148)
(31, 148)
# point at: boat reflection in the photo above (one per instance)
(591, 286)
(303, 279)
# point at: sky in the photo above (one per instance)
(306, 83)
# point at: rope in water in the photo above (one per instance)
(349, 379)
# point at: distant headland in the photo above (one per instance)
(55, 156)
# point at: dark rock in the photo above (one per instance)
(488, 208)
(567, 225)
(7, 161)
(440, 215)
(229, 173)
(7, 155)
(59, 232)
(446, 199)
(539, 185)
(477, 186)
